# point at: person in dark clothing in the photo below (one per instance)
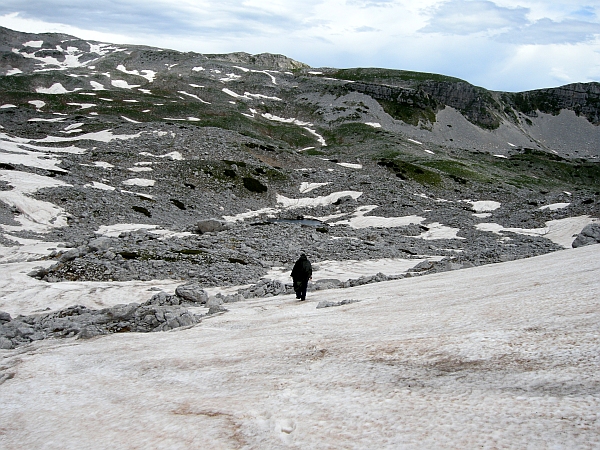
(301, 273)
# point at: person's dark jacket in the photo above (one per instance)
(302, 270)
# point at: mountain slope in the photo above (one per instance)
(136, 143)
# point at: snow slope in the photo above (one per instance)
(497, 356)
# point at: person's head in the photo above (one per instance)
(303, 255)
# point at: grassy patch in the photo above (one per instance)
(409, 171)
(351, 133)
(458, 171)
(374, 75)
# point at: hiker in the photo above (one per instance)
(301, 273)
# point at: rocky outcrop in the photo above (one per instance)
(588, 236)
(583, 98)
(162, 312)
(267, 60)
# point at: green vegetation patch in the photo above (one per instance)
(458, 171)
(408, 171)
(351, 133)
(375, 75)
(408, 113)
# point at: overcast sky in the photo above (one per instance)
(509, 45)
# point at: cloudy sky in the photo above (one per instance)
(509, 45)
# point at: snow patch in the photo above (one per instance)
(555, 206)
(33, 44)
(123, 84)
(35, 215)
(194, 96)
(294, 203)
(307, 187)
(98, 185)
(561, 231)
(145, 73)
(484, 205)
(139, 182)
(175, 156)
(359, 220)
(350, 165)
(56, 88)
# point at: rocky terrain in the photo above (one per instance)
(136, 163)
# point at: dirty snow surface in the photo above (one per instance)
(496, 356)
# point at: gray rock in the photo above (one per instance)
(329, 304)
(588, 236)
(69, 255)
(216, 309)
(210, 226)
(192, 292)
(214, 301)
(100, 244)
(4, 317)
(5, 343)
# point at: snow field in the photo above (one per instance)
(497, 356)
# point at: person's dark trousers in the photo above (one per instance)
(302, 291)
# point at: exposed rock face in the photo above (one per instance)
(267, 60)
(582, 98)
(588, 236)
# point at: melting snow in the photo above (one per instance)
(269, 212)
(8, 105)
(484, 205)
(97, 86)
(36, 215)
(123, 84)
(40, 119)
(561, 231)
(350, 165)
(34, 44)
(307, 187)
(147, 74)
(487, 357)
(103, 164)
(555, 206)
(139, 182)
(83, 105)
(373, 124)
(98, 185)
(175, 156)
(14, 71)
(359, 220)
(438, 231)
(193, 96)
(293, 203)
(56, 88)
(100, 136)
(130, 120)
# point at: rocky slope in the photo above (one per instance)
(139, 145)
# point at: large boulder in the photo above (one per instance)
(210, 226)
(191, 292)
(588, 236)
